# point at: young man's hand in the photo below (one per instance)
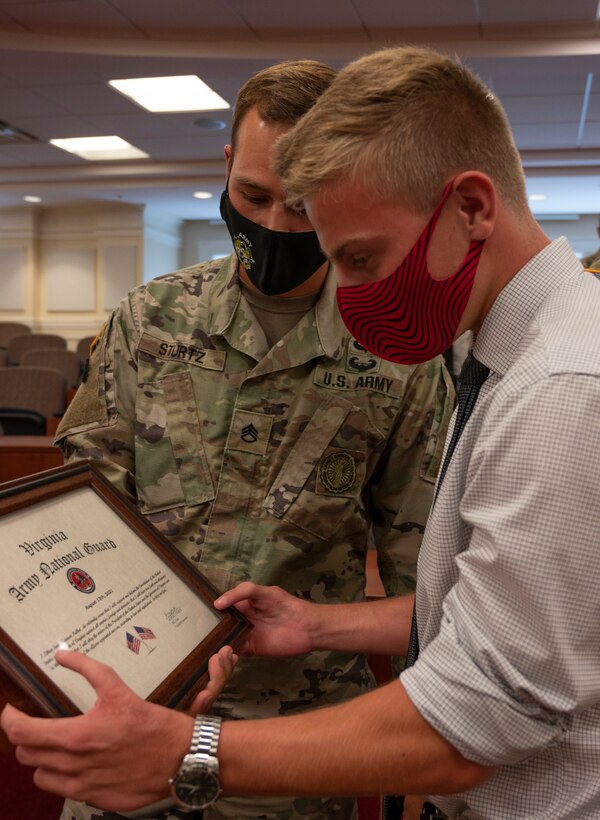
(118, 756)
(283, 625)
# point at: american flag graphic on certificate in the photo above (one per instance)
(144, 633)
(133, 643)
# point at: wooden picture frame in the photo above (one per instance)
(82, 566)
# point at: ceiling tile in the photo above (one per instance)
(556, 135)
(46, 16)
(8, 24)
(184, 147)
(381, 14)
(526, 11)
(188, 15)
(593, 112)
(42, 153)
(47, 128)
(591, 139)
(532, 76)
(148, 125)
(298, 18)
(15, 102)
(93, 98)
(542, 109)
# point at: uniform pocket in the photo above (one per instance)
(323, 477)
(171, 465)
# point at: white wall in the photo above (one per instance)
(202, 240)
(161, 244)
(62, 269)
(581, 232)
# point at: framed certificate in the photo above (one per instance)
(82, 568)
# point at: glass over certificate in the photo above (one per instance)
(82, 568)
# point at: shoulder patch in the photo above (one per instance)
(97, 338)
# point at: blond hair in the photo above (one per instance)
(401, 122)
(282, 92)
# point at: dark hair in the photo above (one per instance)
(282, 93)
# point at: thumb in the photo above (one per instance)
(8, 717)
(99, 675)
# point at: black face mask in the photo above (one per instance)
(275, 261)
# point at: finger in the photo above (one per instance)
(23, 730)
(8, 717)
(242, 592)
(99, 675)
(220, 667)
(201, 704)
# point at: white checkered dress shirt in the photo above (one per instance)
(508, 596)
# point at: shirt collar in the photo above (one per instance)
(225, 297)
(516, 304)
(332, 332)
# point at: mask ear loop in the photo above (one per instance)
(430, 227)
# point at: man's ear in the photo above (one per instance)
(228, 159)
(477, 200)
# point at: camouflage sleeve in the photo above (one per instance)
(402, 492)
(99, 423)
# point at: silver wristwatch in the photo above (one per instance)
(196, 785)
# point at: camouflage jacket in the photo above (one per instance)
(278, 466)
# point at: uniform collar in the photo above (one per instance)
(224, 296)
(231, 317)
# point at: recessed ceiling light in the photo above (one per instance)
(32, 198)
(203, 195)
(185, 93)
(537, 197)
(100, 148)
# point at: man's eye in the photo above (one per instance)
(255, 199)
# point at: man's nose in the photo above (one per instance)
(280, 218)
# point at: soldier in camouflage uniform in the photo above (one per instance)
(272, 458)
(594, 266)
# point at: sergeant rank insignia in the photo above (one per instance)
(249, 433)
(337, 472)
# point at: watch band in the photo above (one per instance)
(205, 737)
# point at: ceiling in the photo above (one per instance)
(56, 56)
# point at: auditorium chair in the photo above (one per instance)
(18, 345)
(42, 389)
(17, 422)
(67, 361)
(83, 347)
(10, 329)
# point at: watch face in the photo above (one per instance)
(197, 786)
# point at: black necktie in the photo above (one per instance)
(472, 376)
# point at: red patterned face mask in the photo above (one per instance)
(408, 317)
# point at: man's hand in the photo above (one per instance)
(220, 667)
(285, 626)
(282, 624)
(118, 756)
